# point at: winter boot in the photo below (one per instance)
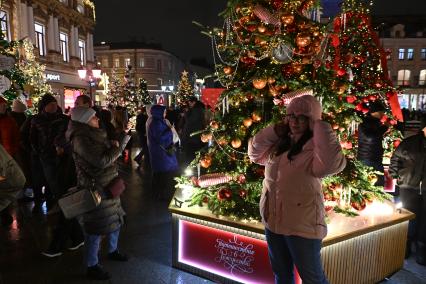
(96, 272)
(421, 253)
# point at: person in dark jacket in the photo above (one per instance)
(47, 138)
(18, 112)
(408, 165)
(163, 159)
(141, 120)
(95, 159)
(370, 137)
(194, 121)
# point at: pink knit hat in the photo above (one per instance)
(305, 105)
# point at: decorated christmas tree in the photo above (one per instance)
(21, 75)
(184, 89)
(145, 97)
(116, 89)
(268, 53)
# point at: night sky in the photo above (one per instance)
(169, 21)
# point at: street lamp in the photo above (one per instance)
(169, 89)
(90, 76)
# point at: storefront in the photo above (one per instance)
(362, 249)
(413, 99)
(67, 87)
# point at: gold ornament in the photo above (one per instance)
(256, 117)
(287, 19)
(274, 91)
(214, 124)
(222, 141)
(261, 28)
(236, 143)
(297, 67)
(271, 80)
(247, 122)
(206, 162)
(227, 70)
(259, 83)
(303, 39)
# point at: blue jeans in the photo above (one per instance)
(287, 251)
(91, 245)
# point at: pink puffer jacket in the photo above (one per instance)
(292, 199)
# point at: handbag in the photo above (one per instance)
(116, 187)
(78, 201)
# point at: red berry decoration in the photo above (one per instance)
(224, 194)
(351, 99)
(241, 179)
(242, 193)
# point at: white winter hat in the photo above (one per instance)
(305, 105)
(82, 114)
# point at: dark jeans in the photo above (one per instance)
(163, 185)
(66, 229)
(285, 252)
(416, 203)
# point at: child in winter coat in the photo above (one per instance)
(297, 153)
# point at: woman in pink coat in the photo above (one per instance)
(297, 153)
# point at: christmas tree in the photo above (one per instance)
(116, 89)
(21, 75)
(184, 89)
(145, 97)
(268, 53)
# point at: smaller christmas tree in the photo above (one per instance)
(143, 94)
(116, 91)
(184, 89)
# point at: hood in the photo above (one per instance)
(305, 105)
(157, 111)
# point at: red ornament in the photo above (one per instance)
(224, 194)
(359, 107)
(341, 72)
(351, 99)
(205, 199)
(328, 208)
(242, 193)
(396, 143)
(335, 41)
(372, 98)
(241, 179)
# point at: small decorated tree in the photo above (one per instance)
(143, 93)
(184, 89)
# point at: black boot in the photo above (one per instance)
(421, 253)
(97, 273)
(408, 249)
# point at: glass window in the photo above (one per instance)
(423, 53)
(404, 77)
(63, 40)
(141, 62)
(422, 77)
(40, 33)
(126, 62)
(4, 22)
(117, 62)
(401, 54)
(105, 62)
(82, 51)
(410, 53)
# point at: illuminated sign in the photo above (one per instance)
(53, 77)
(233, 256)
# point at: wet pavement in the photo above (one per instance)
(146, 238)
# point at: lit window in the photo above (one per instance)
(142, 62)
(63, 40)
(404, 77)
(423, 53)
(82, 51)
(117, 62)
(4, 22)
(422, 77)
(401, 54)
(126, 62)
(40, 34)
(105, 62)
(410, 54)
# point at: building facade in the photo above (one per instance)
(158, 67)
(405, 47)
(62, 33)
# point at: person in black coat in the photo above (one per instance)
(370, 139)
(408, 165)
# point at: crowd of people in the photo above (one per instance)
(45, 154)
(51, 152)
